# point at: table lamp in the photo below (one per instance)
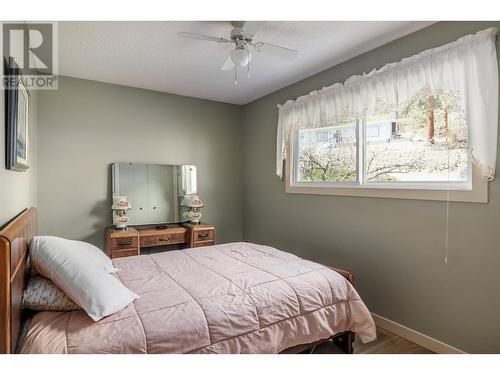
(120, 207)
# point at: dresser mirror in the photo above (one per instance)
(154, 191)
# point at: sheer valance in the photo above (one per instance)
(468, 68)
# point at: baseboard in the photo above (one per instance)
(418, 338)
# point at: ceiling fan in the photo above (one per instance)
(242, 36)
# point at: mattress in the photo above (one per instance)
(230, 298)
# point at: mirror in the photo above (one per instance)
(154, 191)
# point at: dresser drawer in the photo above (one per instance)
(203, 235)
(124, 253)
(163, 239)
(122, 243)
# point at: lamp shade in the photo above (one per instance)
(192, 201)
(120, 203)
(195, 203)
(240, 56)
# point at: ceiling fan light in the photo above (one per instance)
(240, 56)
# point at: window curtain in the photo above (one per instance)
(468, 66)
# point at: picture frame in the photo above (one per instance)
(17, 119)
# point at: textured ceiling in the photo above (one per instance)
(152, 56)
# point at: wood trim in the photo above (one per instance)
(349, 276)
(14, 240)
(5, 308)
(418, 338)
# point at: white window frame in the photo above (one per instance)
(474, 190)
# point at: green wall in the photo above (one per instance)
(84, 126)
(18, 190)
(394, 247)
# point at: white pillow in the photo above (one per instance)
(77, 274)
(93, 253)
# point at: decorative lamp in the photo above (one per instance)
(120, 207)
(194, 205)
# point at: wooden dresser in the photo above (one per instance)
(129, 242)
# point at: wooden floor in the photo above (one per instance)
(386, 343)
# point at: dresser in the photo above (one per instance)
(129, 242)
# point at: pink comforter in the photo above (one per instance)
(231, 298)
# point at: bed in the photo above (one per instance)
(231, 298)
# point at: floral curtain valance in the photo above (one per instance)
(468, 67)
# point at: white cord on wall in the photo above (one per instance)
(447, 225)
(447, 207)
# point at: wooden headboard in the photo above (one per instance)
(14, 240)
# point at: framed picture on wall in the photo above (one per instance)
(17, 119)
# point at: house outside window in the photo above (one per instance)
(423, 146)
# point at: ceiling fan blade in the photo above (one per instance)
(276, 51)
(251, 27)
(204, 37)
(228, 64)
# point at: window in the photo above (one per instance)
(426, 142)
(331, 159)
(423, 146)
(421, 128)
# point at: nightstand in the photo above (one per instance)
(122, 243)
(201, 234)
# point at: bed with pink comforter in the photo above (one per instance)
(230, 298)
